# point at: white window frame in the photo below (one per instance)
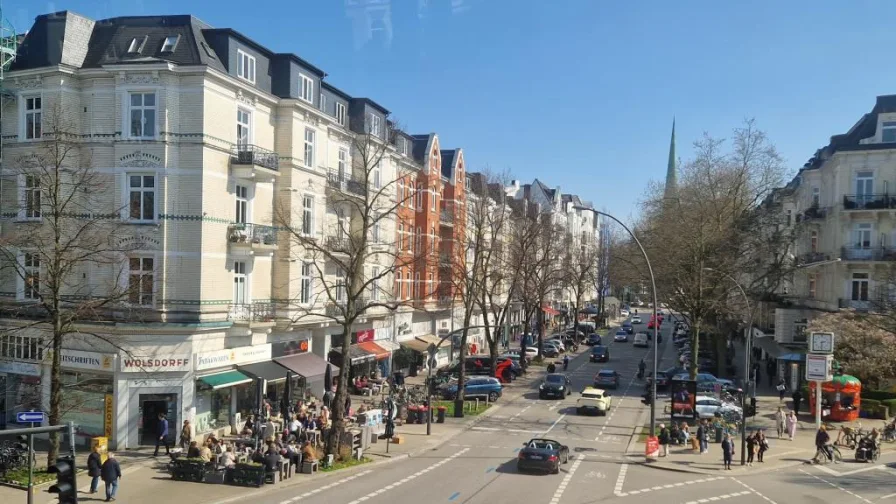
(170, 43)
(433, 198)
(374, 127)
(245, 66)
(127, 196)
(374, 283)
(375, 229)
(860, 231)
(310, 138)
(340, 293)
(322, 102)
(419, 197)
(400, 236)
(142, 273)
(885, 128)
(306, 88)
(36, 132)
(417, 285)
(307, 214)
(812, 286)
(29, 185)
(377, 175)
(813, 242)
(859, 279)
(342, 163)
(306, 283)
(142, 108)
(866, 180)
(241, 204)
(25, 290)
(340, 113)
(816, 196)
(249, 124)
(136, 45)
(241, 282)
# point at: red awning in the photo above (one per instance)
(373, 349)
(550, 311)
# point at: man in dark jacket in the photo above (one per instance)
(111, 473)
(797, 399)
(94, 464)
(163, 435)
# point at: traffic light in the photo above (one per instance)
(65, 480)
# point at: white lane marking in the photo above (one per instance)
(411, 477)
(572, 470)
(497, 429)
(832, 472)
(857, 496)
(720, 497)
(888, 496)
(620, 480)
(561, 417)
(311, 492)
(620, 493)
(748, 487)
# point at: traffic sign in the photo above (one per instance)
(818, 367)
(30, 416)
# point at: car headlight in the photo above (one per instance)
(541, 387)
(561, 387)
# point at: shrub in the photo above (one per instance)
(879, 395)
(870, 404)
(889, 403)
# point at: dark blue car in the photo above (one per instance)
(477, 386)
(627, 326)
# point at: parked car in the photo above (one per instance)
(593, 400)
(706, 380)
(556, 340)
(640, 340)
(636, 319)
(477, 386)
(599, 353)
(550, 351)
(621, 336)
(664, 377)
(542, 455)
(606, 378)
(555, 385)
(593, 339)
(624, 312)
(708, 406)
(531, 352)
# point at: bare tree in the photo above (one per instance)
(542, 268)
(67, 226)
(580, 276)
(354, 260)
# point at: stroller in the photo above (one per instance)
(867, 450)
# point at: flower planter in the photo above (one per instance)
(248, 475)
(189, 469)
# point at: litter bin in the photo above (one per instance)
(102, 443)
(421, 414)
(441, 417)
(412, 414)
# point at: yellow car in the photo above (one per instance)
(593, 399)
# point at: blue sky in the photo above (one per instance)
(579, 93)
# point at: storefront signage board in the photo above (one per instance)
(20, 368)
(78, 359)
(154, 364)
(233, 357)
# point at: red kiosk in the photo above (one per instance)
(840, 398)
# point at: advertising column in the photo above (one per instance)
(149, 385)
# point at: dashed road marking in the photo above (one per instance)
(411, 477)
(857, 496)
(620, 480)
(748, 487)
(720, 497)
(566, 479)
(325, 487)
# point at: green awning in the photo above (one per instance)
(225, 379)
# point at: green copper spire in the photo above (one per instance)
(672, 168)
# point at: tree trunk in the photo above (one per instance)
(55, 417)
(462, 374)
(338, 412)
(695, 348)
(541, 324)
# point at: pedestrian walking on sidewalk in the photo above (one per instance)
(111, 473)
(791, 422)
(727, 451)
(163, 435)
(94, 466)
(665, 439)
(751, 448)
(761, 445)
(797, 399)
(782, 389)
(779, 421)
(703, 436)
(186, 435)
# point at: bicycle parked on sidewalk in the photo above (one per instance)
(830, 454)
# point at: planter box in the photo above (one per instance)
(189, 470)
(246, 475)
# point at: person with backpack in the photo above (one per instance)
(665, 440)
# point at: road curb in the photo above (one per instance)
(716, 472)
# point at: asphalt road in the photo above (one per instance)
(479, 465)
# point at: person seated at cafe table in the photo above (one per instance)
(308, 453)
(272, 458)
(193, 450)
(205, 453)
(249, 425)
(294, 426)
(228, 460)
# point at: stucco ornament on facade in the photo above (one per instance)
(139, 78)
(246, 99)
(140, 159)
(311, 119)
(28, 83)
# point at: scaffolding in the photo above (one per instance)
(8, 43)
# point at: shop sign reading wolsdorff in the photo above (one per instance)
(131, 364)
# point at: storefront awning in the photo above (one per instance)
(357, 355)
(550, 311)
(388, 345)
(268, 370)
(307, 365)
(225, 379)
(415, 345)
(378, 352)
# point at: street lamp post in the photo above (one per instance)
(748, 348)
(655, 320)
(432, 351)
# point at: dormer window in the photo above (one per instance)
(245, 66)
(888, 132)
(170, 43)
(137, 44)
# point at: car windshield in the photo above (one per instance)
(541, 444)
(592, 395)
(606, 374)
(555, 378)
(599, 349)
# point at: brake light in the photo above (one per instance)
(522, 455)
(552, 458)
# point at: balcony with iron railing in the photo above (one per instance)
(337, 309)
(867, 254)
(251, 313)
(339, 245)
(345, 183)
(812, 257)
(812, 213)
(869, 202)
(254, 163)
(252, 237)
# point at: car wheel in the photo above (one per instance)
(492, 396)
(556, 469)
(579, 411)
(566, 459)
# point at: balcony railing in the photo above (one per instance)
(345, 183)
(868, 254)
(812, 257)
(339, 244)
(444, 301)
(868, 202)
(815, 212)
(446, 216)
(253, 312)
(252, 234)
(855, 304)
(338, 309)
(254, 155)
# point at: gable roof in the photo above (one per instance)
(545, 189)
(448, 162)
(421, 146)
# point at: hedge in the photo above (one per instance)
(889, 403)
(879, 395)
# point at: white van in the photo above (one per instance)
(640, 340)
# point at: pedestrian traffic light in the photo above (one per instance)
(65, 480)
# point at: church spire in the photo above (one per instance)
(672, 168)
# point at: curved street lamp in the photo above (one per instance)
(655, 318)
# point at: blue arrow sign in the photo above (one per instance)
(30, 416)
